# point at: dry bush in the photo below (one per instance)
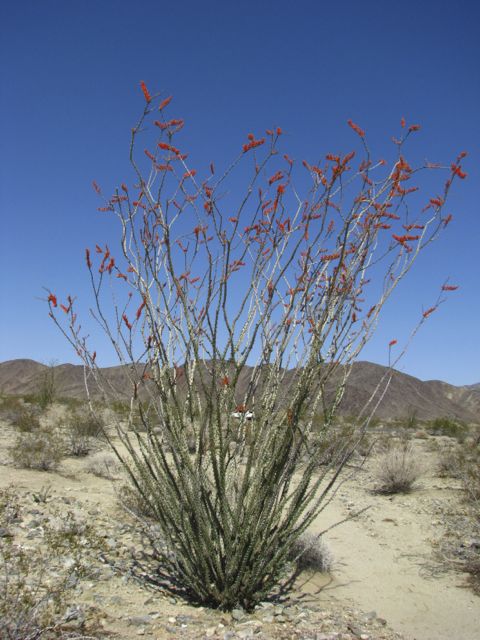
(35, 582)
(104, 465)
(10, 407)
(81, 429)
(473, 569)
(462, 461)
(310, 553)
(397, 469)
(133, 501)
(25, 419)
(41, 449)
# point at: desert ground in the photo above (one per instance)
(393, 571)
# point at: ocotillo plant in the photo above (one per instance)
(237, 320)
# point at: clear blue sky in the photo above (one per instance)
(69, 96)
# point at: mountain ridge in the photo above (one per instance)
(406, 396)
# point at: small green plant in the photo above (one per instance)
(397, 470)
(43, 495)
(42, 449)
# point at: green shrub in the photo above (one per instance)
(447, 427)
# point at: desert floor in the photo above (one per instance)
(386, 581)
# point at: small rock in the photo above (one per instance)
(238, 614)
(138, 621)
(210, 632)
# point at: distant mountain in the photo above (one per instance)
(406, 396)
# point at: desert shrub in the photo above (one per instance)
(104, 465)
(310, 553)
(26, 419)
(449, 464)
(69, 403)
(468, 458)
(448, 427)
(331, 442)
(121, 408)
(42, 449)
(462, 461)
(397, 469)
(81, 429)
(472, 567)
(258, 304)
(10, 406)
(134, 500)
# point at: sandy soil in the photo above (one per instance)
(383, 561)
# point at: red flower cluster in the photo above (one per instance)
(145, 92)
(356, 128)
(253, 143)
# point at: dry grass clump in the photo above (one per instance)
(104, 465)
(42, 449)
(398, 469)
(310, 553)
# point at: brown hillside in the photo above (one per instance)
(406, 395)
